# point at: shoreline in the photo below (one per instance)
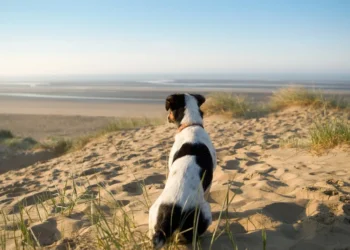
(43, 117)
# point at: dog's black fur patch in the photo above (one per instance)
(203, 159)
(171, 217)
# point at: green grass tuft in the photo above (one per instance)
(16, 143)
(5, 134)
(325, 135)
(57, 145)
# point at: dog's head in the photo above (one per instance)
(184, 107)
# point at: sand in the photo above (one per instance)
(77, 108)
(300, 198)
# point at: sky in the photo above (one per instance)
(179, 37)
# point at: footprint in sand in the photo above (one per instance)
(232, 165)
(90, 157)
(331, 192)
(112, 182)
(91, 171)
(127, 157)
(252, 163)
(122, 203)
(135, 187)
(132, 188)
(109, 174)
(14, 192)
(285, 212)
(155, 179)
(145, 163)
(252, 154)
(32, 199)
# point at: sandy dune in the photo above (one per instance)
(301, 199)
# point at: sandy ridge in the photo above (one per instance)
(301, 199)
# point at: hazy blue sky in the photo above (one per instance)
(113, 37)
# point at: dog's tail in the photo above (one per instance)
(168, 221)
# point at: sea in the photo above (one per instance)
(154, 89)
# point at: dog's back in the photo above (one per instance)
(195, 141)
(182, 205)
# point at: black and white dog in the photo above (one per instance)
(182, 205)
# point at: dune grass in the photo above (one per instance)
(18, 143)
(231, 105)
(226, 104)
(328, 134)
(112, 225)
(300, 96)
(8, 139)
(63, 145)
(321, 136)
(60, 145)
(131, 123)
(5, 134)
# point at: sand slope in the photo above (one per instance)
(301, 199)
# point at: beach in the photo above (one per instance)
(76, 108)
(297, 197)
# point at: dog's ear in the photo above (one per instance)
(175, 101)
(169, 101)
(200, 99)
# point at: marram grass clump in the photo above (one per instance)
(300, 96)
(11, 141)
(226, 104)
(131, 123)
(325, 135)
(5, 134)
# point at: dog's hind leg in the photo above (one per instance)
(200, 223)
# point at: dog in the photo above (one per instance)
(182, 206)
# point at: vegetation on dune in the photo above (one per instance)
(322, 135)
(5, 134)
(239, 106)
(64, 145)
(226, 104)
(300, 96)
(16, 143)
(113, 226)
(325, 135)
(131, 123)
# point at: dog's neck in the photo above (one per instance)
(186, 125)
(192, 113)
